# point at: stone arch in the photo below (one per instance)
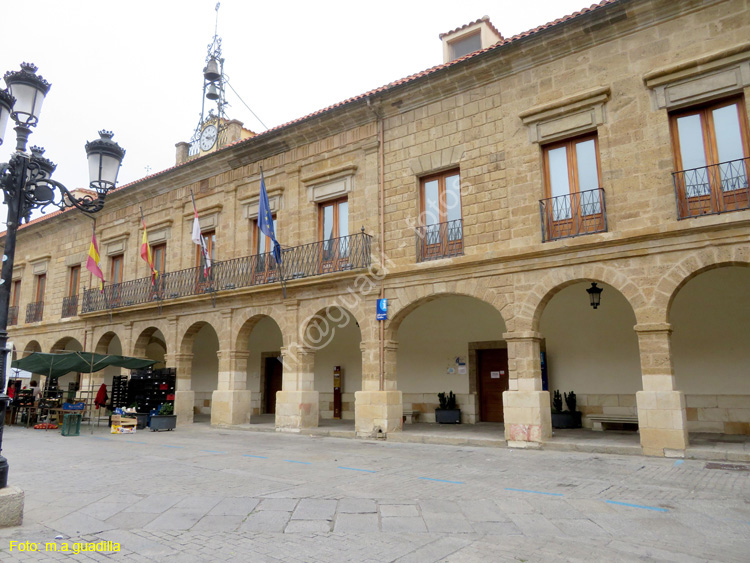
(62, 344)
(31, 347)
(317, 330)
(690, 267)
(187, 339)
(244, 321)
(529, 311)
(145, 337)
(102, 344)
(410, 298)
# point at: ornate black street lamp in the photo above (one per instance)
(27, 185)
(595, 295)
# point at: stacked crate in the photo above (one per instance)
(151, 388)
(119, 391)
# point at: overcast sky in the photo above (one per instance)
(135, 66)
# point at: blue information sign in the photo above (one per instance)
(382, 310)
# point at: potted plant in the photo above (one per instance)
(567, 419)
(448, 412)
(165, 420)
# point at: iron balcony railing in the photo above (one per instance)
(13, 315)
(333, 255)
(441, 240)
(713, 189)
(571, 215)
(70, 306)
(34, 312)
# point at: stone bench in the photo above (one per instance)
(599, 420)
(410, 416)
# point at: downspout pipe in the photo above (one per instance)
(381, 189)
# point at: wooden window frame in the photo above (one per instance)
(202, 283)
(41, 285)
(440, 245)
(717, 201)
(265, 267)
(74, 280)
(332, 259)
(159, 265)
(15, 293)
(595, 221)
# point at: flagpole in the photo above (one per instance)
(208, 267)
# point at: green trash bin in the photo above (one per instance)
(71, 425)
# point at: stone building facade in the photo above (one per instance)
(482, 198)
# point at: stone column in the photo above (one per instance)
(184, 398)
(378, 412)
(526, 408)
(662, 417)
(230, 403)
(297, 403)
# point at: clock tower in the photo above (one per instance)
(214, 129)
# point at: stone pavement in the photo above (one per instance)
(208, 494)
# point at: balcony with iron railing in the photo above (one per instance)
(713, 189)
(34, 312)
(441, 240)
(13, 315)
(305, 261)
(70, 306)
(572, 215)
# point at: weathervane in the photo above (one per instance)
(211, 128)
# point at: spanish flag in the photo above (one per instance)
(92, 262)
(146, 253)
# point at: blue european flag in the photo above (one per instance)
(265, 221)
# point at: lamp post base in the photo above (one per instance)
(11, 507)
(3, 472)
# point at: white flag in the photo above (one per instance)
(200, 241)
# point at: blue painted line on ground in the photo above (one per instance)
(535, 492)
(168, 446)
(442, 480)
(355, 469)
(213, 452)
(258, 456)
(679, 462)
(655, 508)
(302, 462)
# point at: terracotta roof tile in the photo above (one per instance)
(480, 20)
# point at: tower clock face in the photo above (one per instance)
(208, 137)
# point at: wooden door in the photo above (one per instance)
(274, 372)
(492, 371)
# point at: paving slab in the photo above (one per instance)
(266, 521)
(356, 506)
(347, 523)
(315, 509)
(398, 510)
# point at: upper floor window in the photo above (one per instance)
(261, 243)
(441, 232)
(116, 263)
(333, 228)
(15, 293)
(159, 256)
(466, 45)
(711, 153)
(574, 198)
(41, 285)
(210, 238)
(74, 279)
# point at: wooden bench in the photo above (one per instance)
(410, 416)
(599, 420)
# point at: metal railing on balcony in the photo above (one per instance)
(441, 240)
(13, 315)
(713, 189)
(333, 255)
(70, 306)
(34, 312)
(571, 215)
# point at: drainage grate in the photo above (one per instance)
(728, 466)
